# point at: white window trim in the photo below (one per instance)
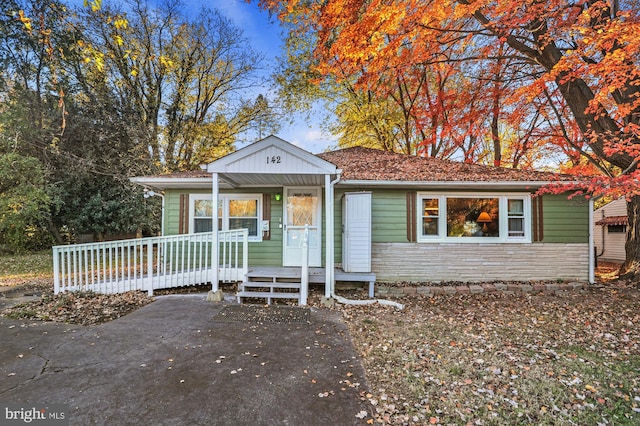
(503, 219)
(225, 210)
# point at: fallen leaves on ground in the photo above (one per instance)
(571, 358)
(42, 283)
(82, 308)
(608, 271)
(493, 358)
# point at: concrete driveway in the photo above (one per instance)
(177, 361)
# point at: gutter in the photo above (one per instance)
(453, 184)
(172, 183)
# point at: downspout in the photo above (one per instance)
(330, 261)
(594, 256)
(603, 233)
(161, 251)
(332, 281)
(149, 193)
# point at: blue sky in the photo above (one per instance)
(265, 36)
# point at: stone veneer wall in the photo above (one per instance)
(426, 262)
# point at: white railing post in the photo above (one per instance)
(304, 274)
(56, 270)
(150, 267)
(245, 254)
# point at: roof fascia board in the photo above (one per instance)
(172, 183)
(169, 180)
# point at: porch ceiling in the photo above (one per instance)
(263, 179)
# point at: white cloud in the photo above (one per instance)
(308, 137)
(238, 12)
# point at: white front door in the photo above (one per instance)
(303, 206)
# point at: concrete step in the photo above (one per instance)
(269, 285)
(285, 274)
(267, 295)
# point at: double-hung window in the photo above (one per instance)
(474, 217)
(202, 213)
(235, 211)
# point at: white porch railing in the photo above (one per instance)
(149, 263)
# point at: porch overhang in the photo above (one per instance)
(231, 181)
(262, 180)
(273, 162)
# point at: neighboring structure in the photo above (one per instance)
(401, 217)
(610, 231)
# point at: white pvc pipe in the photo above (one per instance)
(345, 301)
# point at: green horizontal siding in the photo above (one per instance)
(269, 252)
(263, 253)
(337, 229)
(389, 216)
(564, 220)
(171, 212)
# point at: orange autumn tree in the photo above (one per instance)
(437, 109)
(579, 59)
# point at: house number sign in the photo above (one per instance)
(274, 159)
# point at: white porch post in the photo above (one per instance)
(215, 259)
(329, 232)
(304, 274)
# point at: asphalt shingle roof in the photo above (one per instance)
(360, 163)
(613, 221)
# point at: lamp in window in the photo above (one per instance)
(484, 218)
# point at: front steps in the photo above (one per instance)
(284, 282)
(270, 285)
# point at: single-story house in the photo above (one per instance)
(610, 231)
(396, 217)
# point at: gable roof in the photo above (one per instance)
(367, 164)
(290, 159)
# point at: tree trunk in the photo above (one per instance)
(495, 134)
(631, 268)
(55, 232)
